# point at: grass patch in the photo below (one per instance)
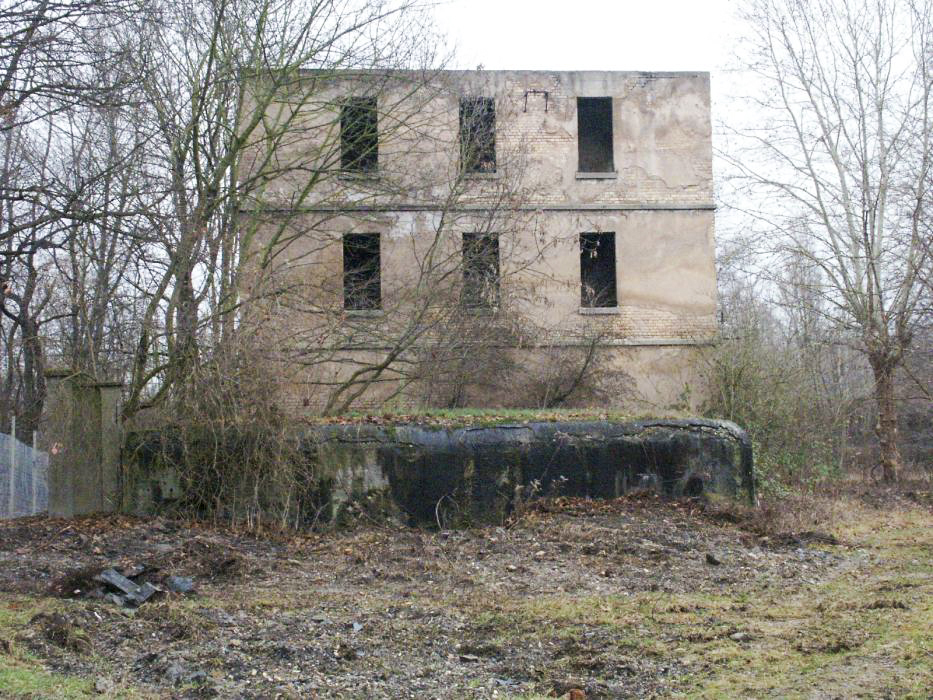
(22, 675)
(866, 632)
(21, 680)
(822, 636)
(17, 610)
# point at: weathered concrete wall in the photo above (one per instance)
(658, 202)
(662, 143)
(643, 379)
(477, 474)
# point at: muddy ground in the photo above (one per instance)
(629, 598)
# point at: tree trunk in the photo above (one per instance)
(886, 428)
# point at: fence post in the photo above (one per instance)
(35, 473)
(12, 511)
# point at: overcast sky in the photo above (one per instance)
(657, 35)
(650, 35)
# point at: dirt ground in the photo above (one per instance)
(630, 598)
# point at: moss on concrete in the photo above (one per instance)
(481, 417)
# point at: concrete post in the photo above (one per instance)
(81, 435)
(54, 436)
(110, 444)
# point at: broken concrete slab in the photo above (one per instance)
(142, 594)
(130, 592)
(115, 579)
(179, 584)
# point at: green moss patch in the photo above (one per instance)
(468, 417)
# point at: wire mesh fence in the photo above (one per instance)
(24, 484)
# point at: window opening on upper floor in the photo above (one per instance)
(478, 135)
(359, 135)
(594, 134)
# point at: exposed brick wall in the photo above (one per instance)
(647, 325)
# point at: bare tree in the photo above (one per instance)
(57, 73)
(450, 316)
(218, 91)
(125, 129)
(162, 158)
(839, 166)
(51, 60)
(48, 56)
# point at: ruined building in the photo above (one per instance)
(485, 238)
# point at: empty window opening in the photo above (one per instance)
(480, 270)
(362, 286)
(598, 269)
(478, 135)
(594, 134)
(359, 135)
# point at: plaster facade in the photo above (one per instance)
(657, 201)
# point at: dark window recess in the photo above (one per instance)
(598, 269)
(480, 269)
(594, 134)
(478, 135)
(362, 287)
(359, 135)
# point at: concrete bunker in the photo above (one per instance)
(430, 476)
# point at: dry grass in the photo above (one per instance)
(614, 597)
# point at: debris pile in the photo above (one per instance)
(125, 587)
(124, 591)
